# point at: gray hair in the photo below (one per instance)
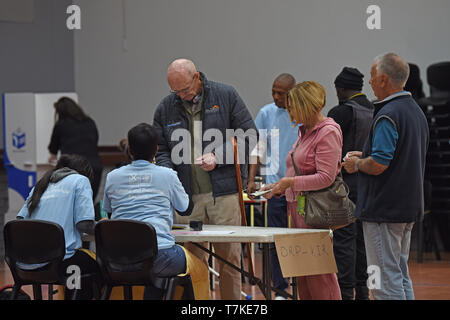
(394, 67)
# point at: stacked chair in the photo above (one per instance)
(437, 110)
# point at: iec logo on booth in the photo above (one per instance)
(18, 139)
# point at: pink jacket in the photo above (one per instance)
(318, 158)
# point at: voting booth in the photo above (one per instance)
(28, 120)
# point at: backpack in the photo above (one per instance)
(6, 293)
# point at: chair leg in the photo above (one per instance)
(188, 292)
(127, 293)
(420, 241)
(37, 292)
(50, 292)
(170, 292)
(106, 293)
(15, 291)
(435, 237)
(186, 283)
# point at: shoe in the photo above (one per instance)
(280, 298)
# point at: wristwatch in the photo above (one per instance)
(356, 165)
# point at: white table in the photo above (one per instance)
(265, 236)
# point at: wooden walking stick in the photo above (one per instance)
(241, 204)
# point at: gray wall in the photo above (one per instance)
(245, 43)
(37, 56)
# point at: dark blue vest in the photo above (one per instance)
(396, 195)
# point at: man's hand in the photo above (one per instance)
(207, 162)
(349, 154)
(349, 164)
(251, 187)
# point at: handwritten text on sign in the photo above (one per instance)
(305, 254)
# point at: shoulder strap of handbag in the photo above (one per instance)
(297, 171)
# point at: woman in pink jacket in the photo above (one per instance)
(317, 155)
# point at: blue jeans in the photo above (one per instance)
(387, 251)
(169, 262)
(277, 217)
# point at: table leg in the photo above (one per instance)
(266, 272)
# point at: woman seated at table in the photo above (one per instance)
(149, 193)
(64, 196)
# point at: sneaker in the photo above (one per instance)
(280, 298)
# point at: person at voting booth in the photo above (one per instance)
(76, 133)
(64, 196)
(317, 155)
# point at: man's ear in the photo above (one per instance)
(384, 80)
(154, 158)
(130, 156)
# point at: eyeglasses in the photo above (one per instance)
(184, 90)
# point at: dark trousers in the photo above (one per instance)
(90, 286)
(350, 255)
(277, 217)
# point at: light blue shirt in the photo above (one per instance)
(66, 203)
(384, 142)
(279, 126)
(146, 192)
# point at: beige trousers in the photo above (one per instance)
(224, 211)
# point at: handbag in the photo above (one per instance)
(328, 208)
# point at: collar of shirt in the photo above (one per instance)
(395, 95)
(141, 163)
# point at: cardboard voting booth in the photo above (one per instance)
(28, 120)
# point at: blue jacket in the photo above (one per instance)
(222, 109)
(396, 195)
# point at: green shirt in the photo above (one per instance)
(201, 181)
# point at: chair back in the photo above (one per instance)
(125, 251)
(34, 242)
(414, 83)
(438, 75)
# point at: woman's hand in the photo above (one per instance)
(279, 187)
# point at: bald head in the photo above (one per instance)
(286, 79)
(181, 67)
(281, 86)
(184, 79)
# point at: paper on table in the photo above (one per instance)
(206, 232)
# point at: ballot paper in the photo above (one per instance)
(260, 193)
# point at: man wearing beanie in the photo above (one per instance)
(354, 115)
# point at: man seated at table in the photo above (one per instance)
(146, 192)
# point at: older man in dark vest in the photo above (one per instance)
(391, 174)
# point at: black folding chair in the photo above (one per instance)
(35, 242)
(125, 252)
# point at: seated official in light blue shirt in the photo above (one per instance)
(146, 192)
(64, 196)
(149, 193)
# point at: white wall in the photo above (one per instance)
(245, 43)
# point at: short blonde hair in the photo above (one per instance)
(305, 101)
